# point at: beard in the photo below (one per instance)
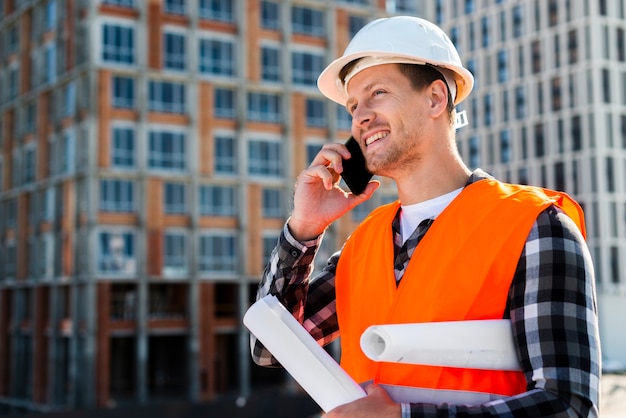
(399, 154)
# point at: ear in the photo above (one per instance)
(438, 98)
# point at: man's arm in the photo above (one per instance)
(552, 306)
(311, 301)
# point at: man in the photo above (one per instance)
(487, 250)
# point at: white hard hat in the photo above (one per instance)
(398, 39)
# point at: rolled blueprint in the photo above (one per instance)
(307, 362)
(483, 344)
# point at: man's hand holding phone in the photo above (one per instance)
(318, 200)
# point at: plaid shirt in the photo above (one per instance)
(552, 306)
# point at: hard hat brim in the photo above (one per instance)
(332, 87)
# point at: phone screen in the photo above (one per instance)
(355, 173)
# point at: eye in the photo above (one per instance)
(378, 92)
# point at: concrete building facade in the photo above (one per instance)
(148, 151)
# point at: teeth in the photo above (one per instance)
(375, 137)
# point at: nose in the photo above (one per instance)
(362, 115)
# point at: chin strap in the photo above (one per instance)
(461, 119)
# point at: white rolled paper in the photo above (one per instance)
(307, 362)
(484, 344)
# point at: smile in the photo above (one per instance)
(375, 137)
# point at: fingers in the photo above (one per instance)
(331, 156)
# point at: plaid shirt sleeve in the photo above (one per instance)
(311, 301)
(552, 306)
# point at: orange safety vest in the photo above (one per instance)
(461, 270)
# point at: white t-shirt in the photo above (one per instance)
(412, 215)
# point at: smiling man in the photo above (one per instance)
(457, 245)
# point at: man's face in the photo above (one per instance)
(387, 118)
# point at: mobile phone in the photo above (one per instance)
(355, 172)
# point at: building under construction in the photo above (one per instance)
(148, 151)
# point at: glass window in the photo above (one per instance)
(218, 200)
(539, 141)
(273, 203)
(520, 102)
(118, 43)
(306, 67)
(308, 21)
(220, 10)
(505, 146)
(488, 109)
(264, 107)
(344, 119)
(311, 152)
(225, 155)
(174, 57)
(503, 69)
(166, 96)
(30, 164)
(167, 150)
(355, 23)
(486, 31)
(50, 62)
(116, 252)
(217, 57)
(175, 199)
(117, 195)
(123, 3)
(270, 63)
(123, 92)
(316, 113)
(177, 7)
(218, 253)
(474, 152)
(270, 17)
(518, 21)
(123, 147)
(175, 253)
(265, 158)
(225, 103)
(51, 14)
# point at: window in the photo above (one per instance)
(402, 6)
(123, 3)
(518, 26)
(606, 85)
(307, 21)
(264, 107)
(167, 150)
(555, 85)
(123, 147)
(217, 201)
(572, 46)
(488, 109)
(486, 31)
(520, 102)
(69, 99)
(51, 14)
(165, 96)
(311, 152)
(576, 133)
(505, 146)
(474, 152)
(217, 57)
(536, 56)
(116, 252)
(30, 164)
(117, 195)
(123, 92)
(344, 119)
(225, 154)
(218, 253)
(175, 201)
(268, 246)
(50, 63)
(174, 57)
(539, 141)
(175, 253)
(270, 63)
(265, 158)
(177, 7)
(355, 23)
(270, 17)
(503, 70)
(470, 6)
(220, 10)
(273, 203)
(306, 67)
(316, 113)
(118, 44)
(225, 103)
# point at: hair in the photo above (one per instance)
(420, 76)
